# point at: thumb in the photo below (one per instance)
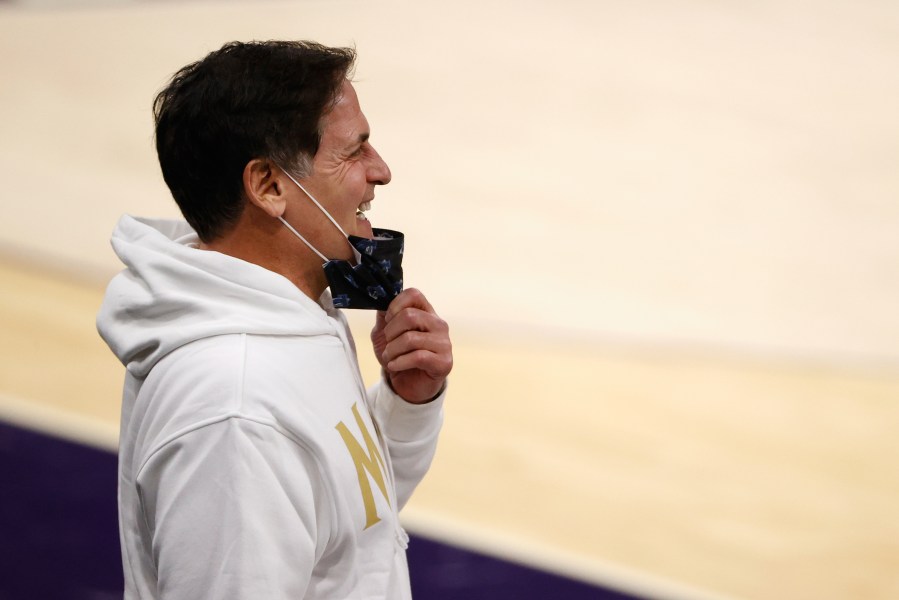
(380, 322)
(378, 337)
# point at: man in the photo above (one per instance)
(253, 462)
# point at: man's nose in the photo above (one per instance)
(378, 171)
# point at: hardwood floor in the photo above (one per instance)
(663, 233)
(658, 471)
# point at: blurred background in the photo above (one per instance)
(665, 235)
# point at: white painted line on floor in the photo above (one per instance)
(99, 434)
(59, 423)
(518, 549)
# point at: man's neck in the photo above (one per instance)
(272, 247)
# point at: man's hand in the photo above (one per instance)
(413, 346)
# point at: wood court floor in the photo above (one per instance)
(664, 474)
(698, 399)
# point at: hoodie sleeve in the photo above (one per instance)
(411, 432)
(234, 510)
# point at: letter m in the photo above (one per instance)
(368, 461)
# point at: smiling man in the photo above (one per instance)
(253, 461)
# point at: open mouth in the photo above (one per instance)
(363, 224)
(360, 212)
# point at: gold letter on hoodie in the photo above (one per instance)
(370, 462)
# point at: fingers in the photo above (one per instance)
(435, 366)
(419, 350)
(416, 337)
(410, 311)
(414, 319)
(409, 298)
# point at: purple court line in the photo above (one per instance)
(59, 536)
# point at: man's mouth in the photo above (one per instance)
(360, 212)
(362, 220)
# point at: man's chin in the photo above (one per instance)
(363, 228)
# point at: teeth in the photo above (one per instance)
(364, 206)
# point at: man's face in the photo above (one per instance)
(345, 171)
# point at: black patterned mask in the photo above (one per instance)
(376, 279)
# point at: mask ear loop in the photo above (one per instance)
(305, 241)
(356, 253)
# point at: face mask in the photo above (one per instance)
(376, 278)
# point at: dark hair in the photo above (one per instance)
(243, 101)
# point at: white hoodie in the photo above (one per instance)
(253, 463)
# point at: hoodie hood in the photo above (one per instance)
(173, 293)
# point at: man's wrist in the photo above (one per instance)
(386, 377)
(432, 398)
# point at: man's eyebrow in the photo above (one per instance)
(353, 144)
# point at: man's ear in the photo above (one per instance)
(264, 187)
